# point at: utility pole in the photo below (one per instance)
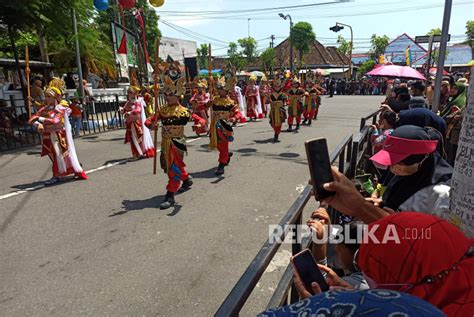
(248, 27)
(272, 37)
(442, 54)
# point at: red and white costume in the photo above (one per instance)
(252, 99)
(137, 134)
(200, 115)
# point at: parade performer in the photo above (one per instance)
(136, 133)
(295, 107)
(321, 91)
(264, 91)
(278, 101)
(311, 101)
(148, 98)
(251, 98)
(173, 117)
(223, 108)
(52, 122)
(240, 112)
(199, 102)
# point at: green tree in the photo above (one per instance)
(236, 58)
(436, 31)
(344, 46)
(470, 36)
(302, 37)
(268, 59)
(366, 67)
(249, 47)
(378, 45)
(202, 56)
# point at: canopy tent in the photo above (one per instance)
(396, 71)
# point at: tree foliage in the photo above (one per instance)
(378, 45)
(344, 46)
(202, 56)
(236, 58)
(302, 37)
(268, 59)
(366, 67)
(46, 26)
(249, 47)
(436, 31)
(470, 36)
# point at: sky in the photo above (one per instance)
(367, 17)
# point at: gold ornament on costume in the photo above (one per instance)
(201, 83)
(228, 80)
(56, 87)
(173, 80)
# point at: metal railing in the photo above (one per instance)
(348, 155)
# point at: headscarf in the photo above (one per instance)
(456, 101)
(357, 303)
(422, 117)
(433, 170)
(431, 256)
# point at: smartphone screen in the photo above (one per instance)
(307, 269)
(319, 167)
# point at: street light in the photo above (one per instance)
(337, 28)
(284, 17)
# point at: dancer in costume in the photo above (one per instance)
(52, 122)
(223, 108)
(147, 95)
(278, 100)
(173, 117)
(265, 92)
(251, 98)
(311, 102)
(295, 106)
(199, 102)
(136, 133)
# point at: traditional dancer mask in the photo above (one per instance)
(174, 83)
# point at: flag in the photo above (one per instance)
(408, 56)
(122, 57)
(382, 59)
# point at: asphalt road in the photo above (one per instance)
(101, 247)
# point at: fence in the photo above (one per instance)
(349, 155)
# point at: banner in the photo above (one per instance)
(126, 50)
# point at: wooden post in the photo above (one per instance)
(27, 74)
(157, 107)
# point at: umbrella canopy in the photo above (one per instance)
(396, 71)
(471, 63)
(433, 71)
(257, 73)
(243, 73)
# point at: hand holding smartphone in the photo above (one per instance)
(319, 167)
(306, 268)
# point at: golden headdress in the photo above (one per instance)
(228, 80)
(56, 87)
(173, 80)
(253, 79)
(200, 83)
(295, 80)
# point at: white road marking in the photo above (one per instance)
(103, 167)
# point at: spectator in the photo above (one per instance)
(37, 93)
(444, 98)
(76, 116)
(412, 264)
(429, 94)
(69, 81)
(421, 175)
(94, 80)
(383, 129)
(345, 250)
(453, 114)
(417, 100)
(422, 118)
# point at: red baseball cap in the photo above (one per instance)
(396, 149)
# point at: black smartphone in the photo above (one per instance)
(319, 167)
(308, 271)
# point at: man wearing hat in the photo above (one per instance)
(221, 131)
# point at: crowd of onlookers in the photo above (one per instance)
(431, 264)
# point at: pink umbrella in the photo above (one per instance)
(396, 71)
(433, 71)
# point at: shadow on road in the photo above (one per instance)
(264, 141)
(123, 161)
(207, 174)
(38, 183)
(136, 205)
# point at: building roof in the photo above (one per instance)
(395, 50)
(359, 58)
(10, 62)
